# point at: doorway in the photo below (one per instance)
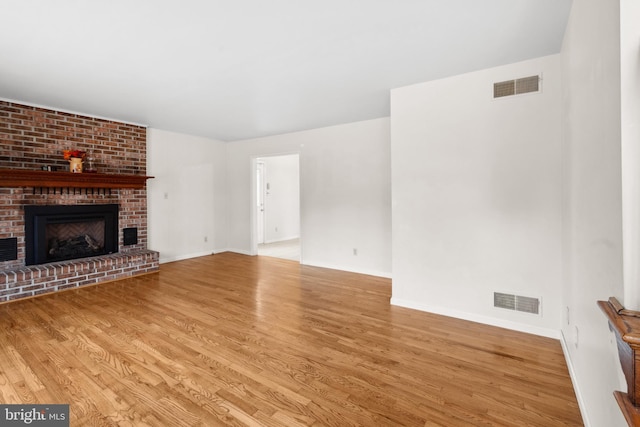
(277, 206)
(260, 190)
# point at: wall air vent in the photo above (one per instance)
(9, 249)
(130, 236)
(516, 87)
(516, 303)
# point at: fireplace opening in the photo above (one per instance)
(61, 232)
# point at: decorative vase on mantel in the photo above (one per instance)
(75, 158)
(75, 165)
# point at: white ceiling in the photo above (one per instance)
(237, 69)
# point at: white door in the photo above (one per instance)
(260, 192)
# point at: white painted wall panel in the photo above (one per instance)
(345, 194)
(186, 197)
(593, 203)
(476, 190)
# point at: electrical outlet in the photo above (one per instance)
(355, 251)
(166, 195)
(568, 318)
(206, 239)
(575, 336)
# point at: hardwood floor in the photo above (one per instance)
(234, 340)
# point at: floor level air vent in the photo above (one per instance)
(9, 249)
(516, 302)
(516, 87)
(130, 236)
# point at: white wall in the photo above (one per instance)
(476, 190)
(186, 197)
(630, 139)
(282, 198)
(345, 194)
(592, 223)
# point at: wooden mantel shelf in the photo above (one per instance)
(46, 179)
(626, 326)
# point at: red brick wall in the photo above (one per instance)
(32, 137)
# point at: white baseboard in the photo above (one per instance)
(164, 260)
(237, 251)
(346, 268)
(501, 323)
(574, 380)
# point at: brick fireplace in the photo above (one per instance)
(32, 138)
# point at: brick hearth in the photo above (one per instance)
(32, 137)
(53, 277)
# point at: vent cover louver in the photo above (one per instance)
(516, 302)
(130, 236)
(516, 87)
(9, 249)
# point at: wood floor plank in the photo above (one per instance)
(233, 340)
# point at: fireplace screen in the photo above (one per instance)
(56, 233)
